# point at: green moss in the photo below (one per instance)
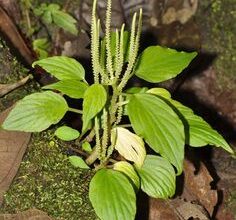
(47, 181)
(231, 202)
(11, 72)
(217, 20)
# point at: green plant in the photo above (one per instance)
(117, 153)
(52, 14)
(53, 17)
(41, 47)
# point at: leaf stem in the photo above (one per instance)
(92, 157)
(125, 126)
(75, 111)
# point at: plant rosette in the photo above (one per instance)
(115, 150)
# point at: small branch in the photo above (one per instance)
(79, 151)
(88, 138)
(6, 88)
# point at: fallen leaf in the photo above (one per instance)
(160, 210)
(176, 209)
(197, 186)
(12, 148)
(197, 201)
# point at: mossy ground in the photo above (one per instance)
(231, 202)
(45, 179)
(217, 20)
(11, 72)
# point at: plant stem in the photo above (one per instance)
(113, 105)
(76, 111)
(92, 157)
(126, 126)
(79, 151)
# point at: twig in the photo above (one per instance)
(6, 88)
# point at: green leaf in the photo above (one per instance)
(129, 145)
(66, 133)
(41, 46)
(129, 171)
(78, 162)
(157, 177)
(87, 147)
(53, 7)
(198, 132)
(36, 112)
(160, 91)
(95, 98)
(134, 90)
(65, 21)
(63, 68)
(47, 17)
(155, 121)
(72, 88)
(112, 195)
(157, 64)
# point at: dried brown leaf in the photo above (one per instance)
(197, 186)
(12, 148)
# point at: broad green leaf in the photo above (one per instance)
(157, 177)
(129, 171)
(66, 133)
(129, 145)
(134, 90)
(87, 147)
(160, 91)
(63, 68)
(155, 121)
(52, 13)
(78, 162)
(72, 88)
(112, 195)
(36, 112)
(198, 133)
(157, 64)
(65, 21)
(95, 98)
